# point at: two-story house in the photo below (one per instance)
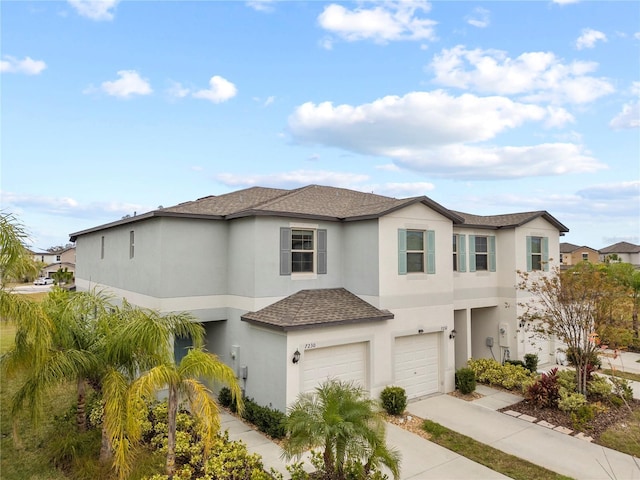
(55, 260)
(571, 255)
(294, 286)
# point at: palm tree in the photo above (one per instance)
(339, 418)
(15, 260)
(64, 345)
(183, 380)
(141, 363)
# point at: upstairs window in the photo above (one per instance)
(303, 250)
(585, 257)
(102, 247)
(459, 253)
(58, 258)
(482, 253)
(416, 251)
(537, 254)
(131, 244)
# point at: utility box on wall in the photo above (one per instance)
(503, 331)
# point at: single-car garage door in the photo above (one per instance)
(539, 344)
(417, 367)
(344, 362)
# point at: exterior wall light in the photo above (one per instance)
(296, 356)
(452, 335)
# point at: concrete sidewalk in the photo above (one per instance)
(559, 452)
(421, 459)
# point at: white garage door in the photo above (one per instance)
(344, 362)
(417, 364)
(536, 343)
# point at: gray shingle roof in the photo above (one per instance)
(317, 308)
(509, 220)
(567, 247)
(621, 247)
(320, 203)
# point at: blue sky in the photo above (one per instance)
(110, 107)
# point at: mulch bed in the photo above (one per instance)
(595, 428)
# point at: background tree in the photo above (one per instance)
(627, 276)
(348, 426)
(571, 306)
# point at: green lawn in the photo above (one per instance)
(490, 457)
(622, 374)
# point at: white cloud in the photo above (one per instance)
(436, 143)
(292, 179)
(537, 76)
(261, 5)
(629, 117)
(400, 190)
(635, 88)
(130, 83)
(479, 18)
(589, 38)
(473, 163)
(636, 35)
(383, 22)
(95, 9)
(393, 124)
(27, 65)
(565, 2)
(220, 90)
(176, 90)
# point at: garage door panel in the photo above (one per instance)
(343, 362)
(417, 364)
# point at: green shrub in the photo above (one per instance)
(599, 386)
(511, 377)
(571, 401)
(582, 416)
(226, 399)
(465, 380)
(567, 380)
(531, 362)
(268, 420)
(515, 362)
(226, 459)
(621, 388)
(394, 400)
(592, 359)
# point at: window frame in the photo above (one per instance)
(460, 253)
(303, 251)
(132, 244)
(428, 251)
(543, 254)
(319, 257)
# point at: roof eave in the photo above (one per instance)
(286, 328)
(145, 216)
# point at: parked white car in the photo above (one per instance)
(43, 281)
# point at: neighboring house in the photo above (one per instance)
(623, 252)
(571, 254)
(65, 258)
(294, 286)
